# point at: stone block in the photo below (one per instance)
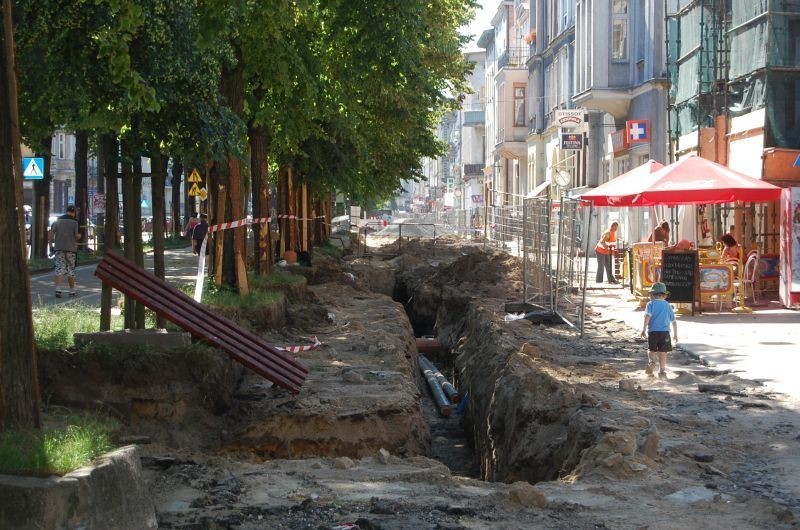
(109, 494)
(160, 338)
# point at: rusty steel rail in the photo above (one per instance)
(243, 346)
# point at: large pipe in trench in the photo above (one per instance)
(428, 345)
(446, 386)
(428, 370)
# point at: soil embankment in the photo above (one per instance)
(543, 407)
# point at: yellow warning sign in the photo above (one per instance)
(194, 176)
(203, 194)
(194, 191)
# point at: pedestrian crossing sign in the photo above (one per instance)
(194, 176)
(194, 191)
(32, 168)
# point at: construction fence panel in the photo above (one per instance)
(537, 253)
(569, 273)
(504, 222)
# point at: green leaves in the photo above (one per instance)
(349, 90)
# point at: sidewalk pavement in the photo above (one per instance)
(180, 268)
(763, 345)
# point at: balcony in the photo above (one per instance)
(514, 58)
(473, 118)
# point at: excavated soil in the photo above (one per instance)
(556, 431)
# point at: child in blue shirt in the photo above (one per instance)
(657, 317)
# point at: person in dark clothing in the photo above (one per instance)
(661, 233)
(199, 234)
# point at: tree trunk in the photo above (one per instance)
(177, 178)
(127, 225)
(41, 203)
(137, 229)
(259, 171)
(107, 170)
(283, 209)
(234, 268)
(19, 385)
(157, 181)
(82, 183)
(189, 206)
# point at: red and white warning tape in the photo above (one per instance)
(244, 222)
(237, 224)
(296, 349)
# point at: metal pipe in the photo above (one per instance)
(428, 345)
(436, 390)
(446, 386)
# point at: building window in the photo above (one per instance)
(619, 30)
(61, 146)
(519, 106)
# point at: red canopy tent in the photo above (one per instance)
(695, 180)
(621, 190)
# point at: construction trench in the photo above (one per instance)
(546, 436)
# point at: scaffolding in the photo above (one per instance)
(732, 57)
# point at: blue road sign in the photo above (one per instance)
(797, 161)
(32, 168)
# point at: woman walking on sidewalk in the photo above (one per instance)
(604, 248)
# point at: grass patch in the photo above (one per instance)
(72, 443)
(170, 242)
(326, 248)
(53, 326)
(274, 280)
(249, 310)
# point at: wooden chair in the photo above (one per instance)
(749, 277)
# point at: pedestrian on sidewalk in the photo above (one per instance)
(604, 250)
(64, 236)
(190, 224)
(199, 234)
(658, 315)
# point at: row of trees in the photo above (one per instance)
(313, 95)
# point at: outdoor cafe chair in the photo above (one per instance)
(749, 277)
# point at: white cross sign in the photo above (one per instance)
(638, 131)
(33, 168)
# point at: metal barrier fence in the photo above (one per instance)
(569, 293)
(504, 222)
(550, 237)
(379, 238)
(537, 253)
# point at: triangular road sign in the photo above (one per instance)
(194, 176)
(32, 168)
(194, 191)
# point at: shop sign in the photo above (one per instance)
(570, 118)
(572, 141)
(619, 141)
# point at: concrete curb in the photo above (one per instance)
(109, 494)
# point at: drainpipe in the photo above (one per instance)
(442, 403)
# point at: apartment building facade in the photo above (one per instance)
(507, 107)
(472, 146)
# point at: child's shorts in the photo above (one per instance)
(659, 341)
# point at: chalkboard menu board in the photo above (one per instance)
(679, 272)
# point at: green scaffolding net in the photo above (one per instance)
(750, 48)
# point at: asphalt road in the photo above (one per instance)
(181, 268)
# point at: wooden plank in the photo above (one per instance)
(240, 344)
